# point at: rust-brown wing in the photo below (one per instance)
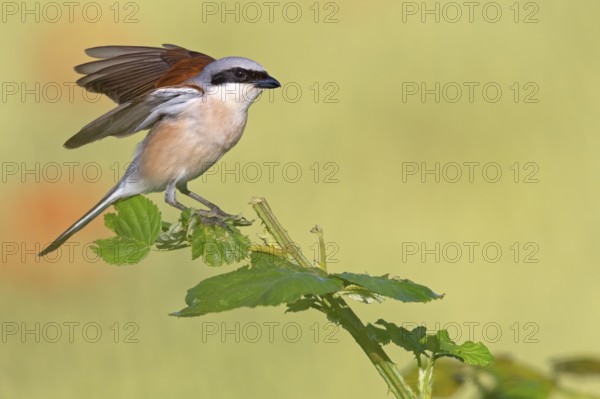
(124, 73)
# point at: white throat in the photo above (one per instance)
(235, 95)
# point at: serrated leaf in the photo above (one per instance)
(137, 218)
(186, 216)
(402, 290)
(361, 294)
(410, 340)
(120, 250)
(137, 226)
(474, 354)
(440, 344)
(407, 339)
(174, 235)
(218, 245)
(270, 281)
(381, 335)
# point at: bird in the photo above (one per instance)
(195, 109)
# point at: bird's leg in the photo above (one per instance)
(214, 208)
(171, 199)
(215, 215)
(210, 217)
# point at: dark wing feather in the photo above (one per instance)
(126, 72)
(139, 114)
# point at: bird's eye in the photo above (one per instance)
(240, 74)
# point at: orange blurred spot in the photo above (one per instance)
(37, 216)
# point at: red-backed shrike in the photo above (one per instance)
(196, 108)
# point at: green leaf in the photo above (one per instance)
(300, 305)
(219, 245)
(270, 281)
(173, 236)
(517, 380)
(137, 218)
(402, 290)
(440, 344)
(474, 354)
(577, 366)
(379, 334)
(361, 294)
(120, 250)
(137, 226)
(410, 340)
(407, 339)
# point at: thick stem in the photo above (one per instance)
(338, 308)
(322, 249)
(384, 365)
(264, 212)
(426, 380)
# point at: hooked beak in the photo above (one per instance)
(267, 83)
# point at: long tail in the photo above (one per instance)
(112, 196)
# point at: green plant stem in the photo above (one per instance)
(338, 309)
(426, 380)
(264, 212)
(322, 249)
(341, 311)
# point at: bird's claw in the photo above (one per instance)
(212, 218)
(219, 212)
(217, 217)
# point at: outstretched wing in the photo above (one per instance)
(127, 72)
(136, 115)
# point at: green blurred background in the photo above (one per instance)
(345, 67)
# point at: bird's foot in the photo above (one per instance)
(217, 217)
(219, 212)
(212, 218)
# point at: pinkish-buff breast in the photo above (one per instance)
(182, 149)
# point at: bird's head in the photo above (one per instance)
(235, 79)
